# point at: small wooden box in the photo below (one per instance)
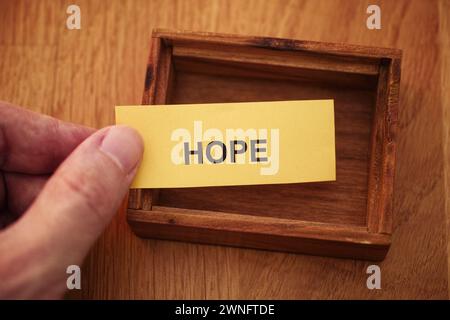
(351, 217)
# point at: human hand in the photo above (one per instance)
(63, 183)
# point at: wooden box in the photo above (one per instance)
(351, 217)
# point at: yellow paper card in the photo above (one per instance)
(233, 143)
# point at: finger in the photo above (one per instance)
(22, 191)
(2, 193)
(71, 211)
(34, 143)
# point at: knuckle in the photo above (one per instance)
(90, 191)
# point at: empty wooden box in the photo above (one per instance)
(351, 217)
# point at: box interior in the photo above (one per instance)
(343, 201)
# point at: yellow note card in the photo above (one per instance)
(233, 143)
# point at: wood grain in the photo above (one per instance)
(80, 75)
(444, 27)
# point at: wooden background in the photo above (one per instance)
(81, 75)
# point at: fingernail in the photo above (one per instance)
(124, 146)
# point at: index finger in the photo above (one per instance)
(33, 143)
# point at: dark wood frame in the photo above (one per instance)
(284, 56)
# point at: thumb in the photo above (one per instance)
(73, 208)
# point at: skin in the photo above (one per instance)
(60, 185)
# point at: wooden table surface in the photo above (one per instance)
(80, 75)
